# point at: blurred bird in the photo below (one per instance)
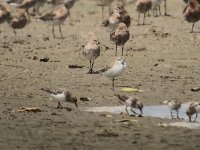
(173, 105)
(37, 6)
(192, 110)
(191, 12)
(61, 95)
(56, 17)
(120, 36)
(114, 70)
(18, 21)
(143, 6)
(91, 52)
(156, 7)
(132, 102)
(104, 3)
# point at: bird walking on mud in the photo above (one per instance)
(191, 12)
(18, 21)
(61, 95)
(91, 52)
(173, 105)
(191, 110)
(56, 17)
(142, 7)
(120, 36)
(114, 70)
(132, 102)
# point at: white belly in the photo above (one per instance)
(58, 97)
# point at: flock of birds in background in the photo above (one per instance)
(118, 23)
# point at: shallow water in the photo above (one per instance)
(161, 111)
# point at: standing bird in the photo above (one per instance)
(23, 4)
(4, 12)
(18, 21)
(120, 36)
(173, 105)
(143, 6)
(36, 7)
(91, 52)
(191, 12)
(132, 102)
(192, 110)
(113, 20)
(61, 95)
(114, 70)
(156, 7)
(104, 3)
(56, 17)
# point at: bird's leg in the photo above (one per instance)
(156, 9)
(141, 111)
(116, 50)
(59, 106)
(177, 114)
(90, 71)
(113, 84)
(53, 32)
(15, 32)
(61, 35)
(122, 50)
(127, 110)
(192, 28)
(144, 18)
(102, 13)
(133, 111)
(148, 13)
(92, 67)
(196, 116)
(159, 10)
(189, 118)
(171, 113)
(138, 18)
(165, 6)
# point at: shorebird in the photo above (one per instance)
(173, 105)
(4, 12)
(56, 17)
(114, 70)
(23, 4)
(120, 36)
(192, 110)
(186, 1)
(104, 3)
(143, 6)
(132, 102)
(91, 52)
(18, 21)
(61, 95)
(191, 12)
(68, 3)
(113, 20)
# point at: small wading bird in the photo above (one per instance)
(36, 7)
(91, 52)
(173, 105)
(18, 21)
(191, 12)
(156, 7)
(4, 12)
(114, 70)
(192, 110)
(142, 7)
(56, 17)
(132, 102)
(113, 20)
(120, 36)
(61, 95)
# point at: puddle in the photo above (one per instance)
(161, 111)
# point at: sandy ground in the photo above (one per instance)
(163, 60)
